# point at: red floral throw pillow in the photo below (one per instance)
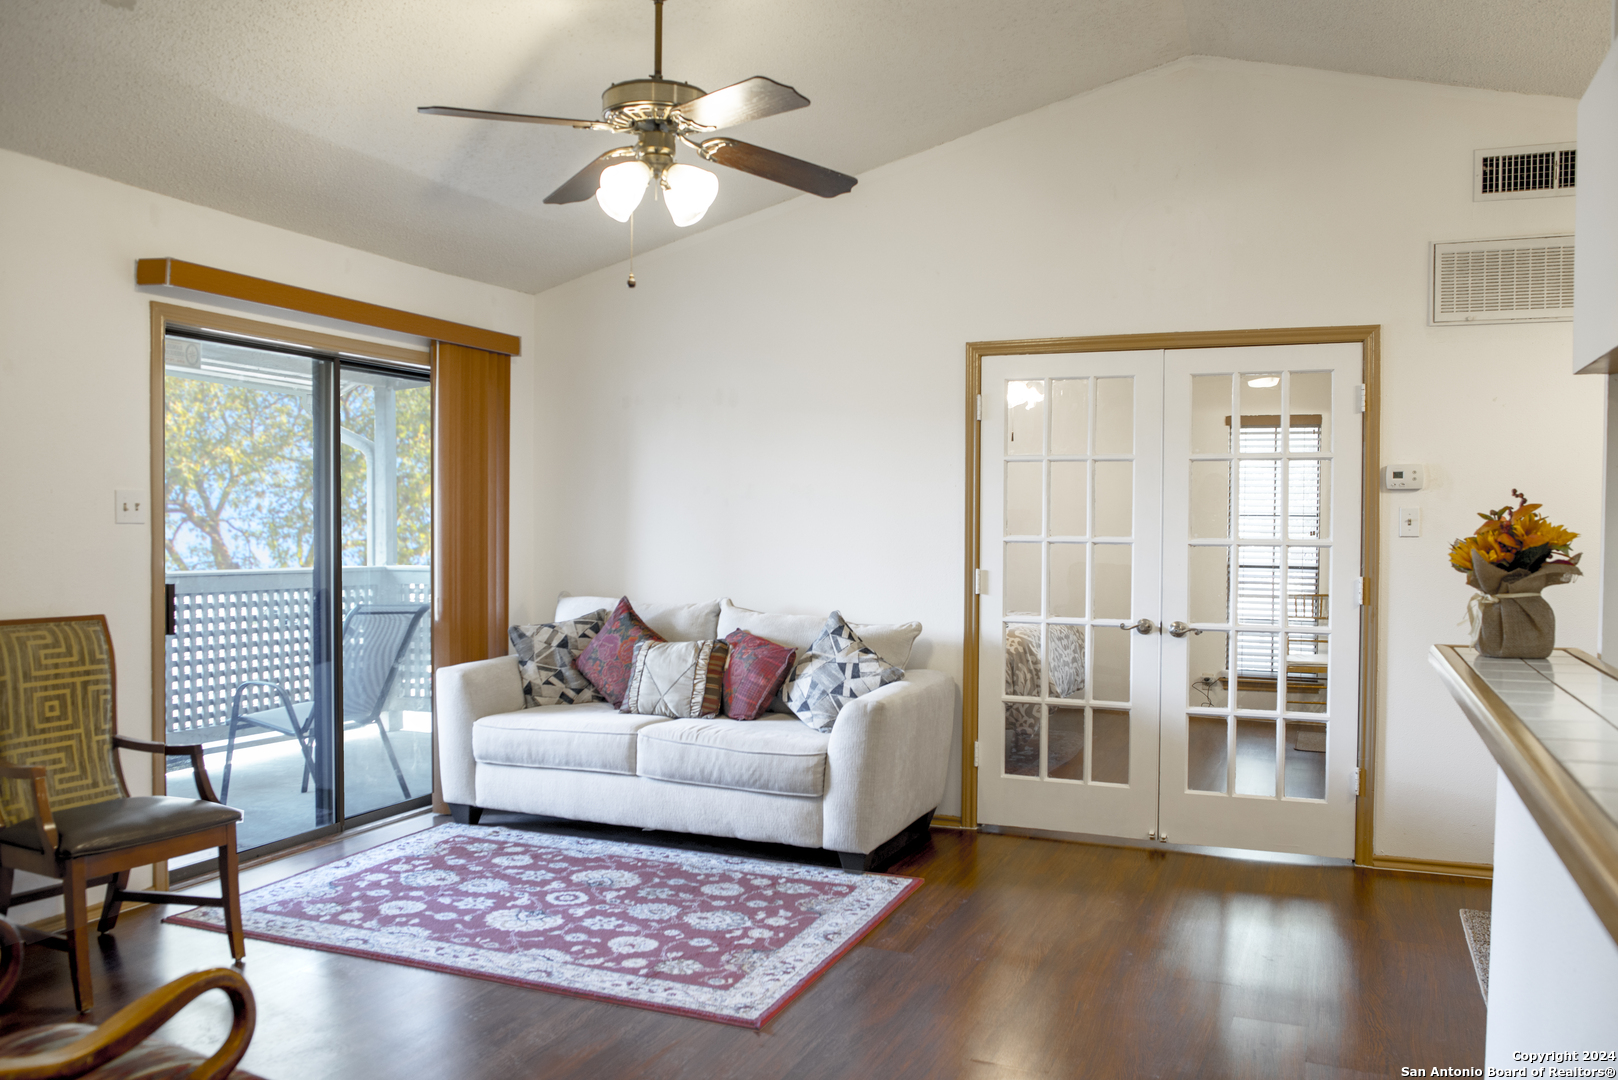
(611, 654)
(756, 670)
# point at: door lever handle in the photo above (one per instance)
(1179, 629)
(1140, 626)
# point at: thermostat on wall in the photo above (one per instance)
(1403, 477)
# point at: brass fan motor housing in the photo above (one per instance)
(625, 104)
(656, 149)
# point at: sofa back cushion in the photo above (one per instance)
(891, 641)
(610, 657)
(673, 622)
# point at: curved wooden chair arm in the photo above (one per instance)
(34, 775)
(11, 966)
(134, 1022)
(124, 742)
(199, 771)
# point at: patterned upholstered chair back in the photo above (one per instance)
(56, 712)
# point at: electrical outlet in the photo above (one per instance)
(1409, 521)
(129, 506)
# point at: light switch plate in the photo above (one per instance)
(129, 506)
(1409, 521)
(1403, 477)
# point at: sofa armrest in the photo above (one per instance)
(888, 760)
(466, 693)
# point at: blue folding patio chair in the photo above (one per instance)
(375, 637)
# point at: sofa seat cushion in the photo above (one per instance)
(782, 757)
(593, 737)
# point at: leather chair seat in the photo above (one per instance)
(120, 823)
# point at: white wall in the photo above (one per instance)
(775, 413)
(75, 362)
(1553, 967)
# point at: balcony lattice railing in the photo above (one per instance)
(236, 625)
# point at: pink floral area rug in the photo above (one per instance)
(712, 936)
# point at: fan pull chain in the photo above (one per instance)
(631, 251)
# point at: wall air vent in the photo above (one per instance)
(1524, 172)
(1496, 281)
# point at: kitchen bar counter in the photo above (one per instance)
(1552, 725)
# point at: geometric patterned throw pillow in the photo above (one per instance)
(756, 670)
(838, 668)
(545, 654)
(610, 657)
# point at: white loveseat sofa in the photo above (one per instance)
(866, 790)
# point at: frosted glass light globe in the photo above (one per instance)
(622, 187)
(689, 191)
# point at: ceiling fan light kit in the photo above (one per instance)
(662, 114)
(622, 187)
(689, 191)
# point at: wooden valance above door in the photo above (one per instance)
(178, 274)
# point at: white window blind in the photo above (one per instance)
(1263, 584)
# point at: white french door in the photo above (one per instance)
(1163, 536)
(1072, 470)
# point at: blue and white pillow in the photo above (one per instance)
(837, 669)
(545, 654)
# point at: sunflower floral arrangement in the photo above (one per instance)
(1514, 555)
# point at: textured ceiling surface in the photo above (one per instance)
(301, 114)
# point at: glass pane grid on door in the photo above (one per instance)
(1069, 461)
(1258, 554)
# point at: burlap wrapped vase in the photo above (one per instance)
(1508, 616)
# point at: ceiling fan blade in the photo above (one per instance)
(791, 171)
(523, 118)
(750, 99)
(583, 183)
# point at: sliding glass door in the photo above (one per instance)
(385, 427)
(297, 547)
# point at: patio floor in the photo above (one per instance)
(265, 779)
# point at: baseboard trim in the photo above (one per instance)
(947, 821)
(1482, 871)
(1097, 840)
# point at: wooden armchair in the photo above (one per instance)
(68, 813)
(117, 1050)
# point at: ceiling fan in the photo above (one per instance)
(661, 113)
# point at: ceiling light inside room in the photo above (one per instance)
(622, 188)
(689, 191)
(1264, 382)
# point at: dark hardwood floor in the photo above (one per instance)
(1020, 957)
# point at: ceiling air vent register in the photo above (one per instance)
(1524, 172)
(1529, 279)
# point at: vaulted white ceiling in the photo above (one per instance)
(302, 113)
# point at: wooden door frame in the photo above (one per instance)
(1369, 338)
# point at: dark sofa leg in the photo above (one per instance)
(463, 814)
(910, 840)
(853, 862)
